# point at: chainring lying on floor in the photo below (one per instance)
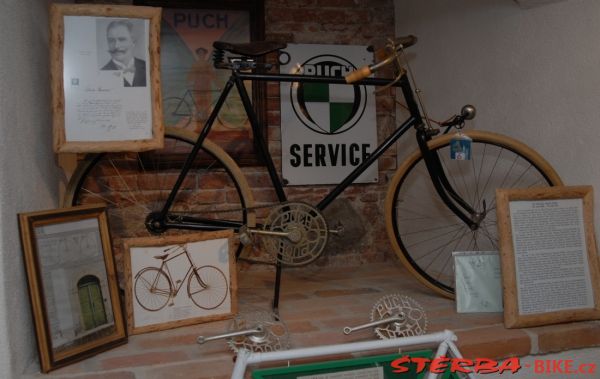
(413, 320)
(273, 336)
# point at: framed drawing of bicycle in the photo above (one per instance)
(72, 284)
(191, 85)
(105, 78)
(180, 280)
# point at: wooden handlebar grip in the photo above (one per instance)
(358, 74)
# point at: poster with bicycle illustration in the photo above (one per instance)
(190, 83)
(179, 280)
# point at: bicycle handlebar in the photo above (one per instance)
(383, 55)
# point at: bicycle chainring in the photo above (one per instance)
(414, 318)
(273, 337)
(306, 230)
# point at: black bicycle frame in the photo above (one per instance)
(433, 163)
(237, 78)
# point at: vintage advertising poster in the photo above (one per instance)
(191, 84)
(326, 129)
(107, 90)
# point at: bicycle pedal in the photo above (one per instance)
(338, 231)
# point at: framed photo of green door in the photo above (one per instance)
(72, 284)
(191, 85)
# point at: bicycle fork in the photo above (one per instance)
(453, 201)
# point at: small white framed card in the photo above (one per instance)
(478, 281)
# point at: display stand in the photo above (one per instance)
(444, 340)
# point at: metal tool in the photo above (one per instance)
(395, 316)
(256, 331)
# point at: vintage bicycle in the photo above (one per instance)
(434, 205)
(154, 286)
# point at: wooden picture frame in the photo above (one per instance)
(550, 269)
(105, 78)
(190, 83)
(161, 290)
(72, 284)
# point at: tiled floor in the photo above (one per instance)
(316, 304)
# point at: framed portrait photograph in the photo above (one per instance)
(191, 85)
(72, 284)
(180, 280)
(105, 78)
(548, 255)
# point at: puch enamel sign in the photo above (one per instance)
(327, 130)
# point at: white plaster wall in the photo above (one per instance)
(28, 174)
(533, 73)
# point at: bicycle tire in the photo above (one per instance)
(152, 289)
(134, 184)
(424, 232)
(176, 112)
(207, 287)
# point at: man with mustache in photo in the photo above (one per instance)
(121, 43)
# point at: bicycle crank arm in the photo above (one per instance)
(247, 332)
(398, 318)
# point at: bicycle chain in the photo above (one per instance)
(256, 207)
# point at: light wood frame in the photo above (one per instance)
(51, 259)
(512, 317)
(197, 315)
(57, 65)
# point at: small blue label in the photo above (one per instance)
(460, 148)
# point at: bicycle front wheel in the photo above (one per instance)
(133, 185)
(152, 289)
(207, 287)
(421, 228)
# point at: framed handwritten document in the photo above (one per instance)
(548, 255)
(105, 78)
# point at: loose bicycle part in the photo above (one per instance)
(433, 206)
(207, 285)
(395, 316)
(256, 331)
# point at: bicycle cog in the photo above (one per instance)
(273, 337)
(307, 233)
(414, 318)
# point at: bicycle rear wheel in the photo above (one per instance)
(421, 228)
(152, 289)
(132, 185)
